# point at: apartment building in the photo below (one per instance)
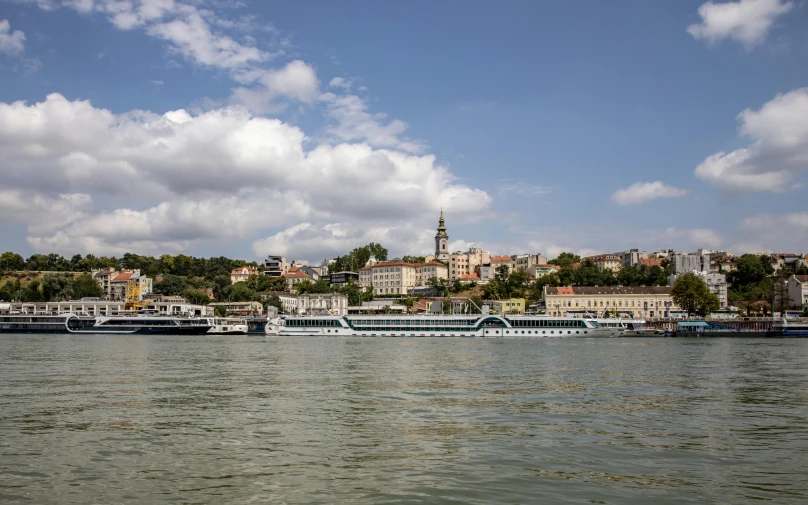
(612, 262)
(629, 301)
(462, 263)
(276, 266)
(241, 274)
(798, 290)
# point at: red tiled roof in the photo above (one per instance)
(123, 276)
(473, 276)
(296, 275)
(610, 290)
(651, 262)
(500, 259)
(801, 278)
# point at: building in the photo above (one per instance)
(430, 269)
(276, 266)
(783, 260)
(628, 301)
(339, 279)
(441, 240)
(509, 306)
(716, 283)
(502, 261)
(486, 273)
(611, 262)
(242, 274)
(527, 261)
(288, 300)
(538, 271)
(651, 262)
(691, 262)
(632, 257)
(798, 290)
(295, 277)
(461, 263)
(243, 309)
(311, 304)
(399, 277)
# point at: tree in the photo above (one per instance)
(517, 284)
(351, 290)
(494, 290)
(565, 259)
(220, 311)
(172, 285)
(11, 261)
(10, 290)
(85, 286)
(502, 273)
(587, 274)
(655, 276)
(629, 276)
(303, 287)
(274, 300)
(414, 259)
(264, 283)
(240, 292)
(458, 285)
(197, 297)
(691, 294)
(56, 287)
(32, 293)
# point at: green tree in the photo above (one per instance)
(587, 274)
(655, 276)
(219, 311)
(628, 276)
(197, 297)
(10, 290)
(565, 259)
(517, 284)
(10, 261)
(172, 285)
(351, 290)
(264, 283)
(566, 276)
(691, 294)
(274, 300)
(85, 286)
(56, 287)
(414, 259)
(32, 293)
(240, 292)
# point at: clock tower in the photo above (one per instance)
(442, 240)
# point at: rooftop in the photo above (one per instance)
(610, 290)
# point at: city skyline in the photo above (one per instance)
(241, 129)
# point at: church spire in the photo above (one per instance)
(441, 225)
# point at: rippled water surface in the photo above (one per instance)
(102, 419)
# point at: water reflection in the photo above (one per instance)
(324, 420)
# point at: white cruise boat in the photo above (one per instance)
(628, 327)
(435, 326)
(226, 326)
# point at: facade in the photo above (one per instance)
(339, 279)
(441, 240)
(242, 274)
(486, 273)
(632, 257)
(288, 300)
(294, 278)
(310, 304)
(538, 271)
(527, 261)
(426, 271)
(244, 309)
(716, 283)
(509, 306)
(798, 290)
(115, 285)
(462, 263)
(500, 261)
(593, 301)
(276, 266)
(612, 262)
(168, 306)
(691, 262)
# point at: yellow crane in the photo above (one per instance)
(134, 301)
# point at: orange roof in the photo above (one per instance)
(123, 276)
(294, 269)
(471, 276)
(651, 262)
(434, 263)
(500, 259)
(549, 266)
(564, 290)
(394, 264)
(296, 275)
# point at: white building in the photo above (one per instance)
(174, 306)
(526, 261)
(629, 301)
(288, 300)
(399, 277)
(241, 274)
(464, 263)
(632, 257)
(315, 303)
(798, 290)
(275, 266)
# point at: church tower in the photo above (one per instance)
(442, 240)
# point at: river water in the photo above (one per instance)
(127, 419)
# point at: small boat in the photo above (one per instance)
(225, 326)
(785, 328)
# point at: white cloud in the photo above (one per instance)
(341, 82)
(694, 238)
(354, 122)
(219, 173)
(157, 82)
(297, 81)
(794, 222)
(779, 150)
(524, 190)
(745, 21)
(11, 42)
(769, 232)
(641, 192)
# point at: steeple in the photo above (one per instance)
(441, 225)
(442, 240)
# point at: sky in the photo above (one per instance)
(247, 128)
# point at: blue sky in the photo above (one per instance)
(307, 129)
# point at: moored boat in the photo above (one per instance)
(43, 323)
(227, 326)
(435, 326)
(145, 325)
(785, 328)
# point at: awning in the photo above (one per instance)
(693, 324)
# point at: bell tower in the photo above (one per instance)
(442, 240)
